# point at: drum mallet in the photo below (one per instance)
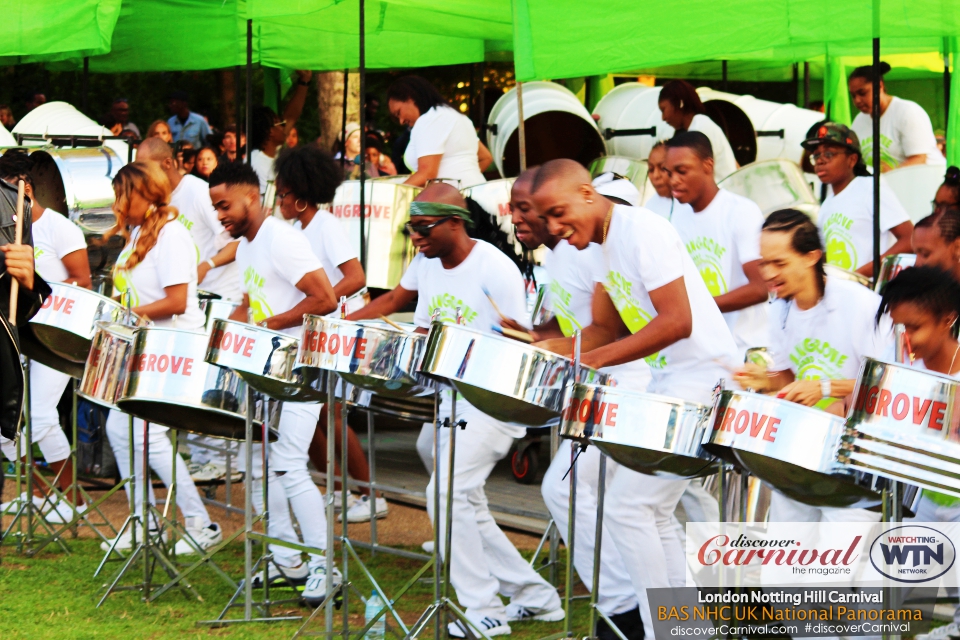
(15, 285)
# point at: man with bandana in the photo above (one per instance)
(453, 271)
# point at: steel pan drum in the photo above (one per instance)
(904, 426)
(354, 303)
(68, 319)
(834, 271)
(774, 184)
(891, 266)
(170, 384)
(266, 360)
(647, 433)
(630, 168)
(216, 309)
(370, 355)
(795, 449)
(508, 380)
(108, 364)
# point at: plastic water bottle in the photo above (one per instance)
(374, 606)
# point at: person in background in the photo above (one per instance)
(33, 100)
(160, 129)
(348, 153)
(120, 110)
(188, 160)
(205, 164)
(228, 144)
(293, 138)
(6, 117)
(948, 193)
(371, 105)
(443, 143)
(270, 132)
(185, 124)
(398, 148)
(662, 202)
(846, 216)
(113, 125)
(936, 240)
(377, 160)
(905, 127)
(682, 109)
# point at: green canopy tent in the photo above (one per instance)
(53, 29)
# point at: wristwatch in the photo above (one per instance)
(825, 389)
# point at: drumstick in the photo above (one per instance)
(18, 237)
(522, 336)
(392, 323)
(493, 304)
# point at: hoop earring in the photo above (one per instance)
(299, 210)
(150, 210)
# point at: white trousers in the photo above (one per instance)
(160, 461)
(203, 455)
(46, 389)
(483, 562)
(289, 485)
(784, 509)
(930, 511)
(617, 594)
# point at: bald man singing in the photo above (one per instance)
(650, 302)
(454, 271)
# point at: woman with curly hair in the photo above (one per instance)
(157, 273)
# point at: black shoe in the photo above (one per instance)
(629, 623)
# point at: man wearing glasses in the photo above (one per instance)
(846, 216)
(456, 278)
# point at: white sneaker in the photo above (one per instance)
(11, 508)
(208, 473)
(193, 467)
(517, 613)
(427, 546)
(62, 512)
(945, 632)
(294, 575)
(360, 511)
(338, 503)
(125, 541)
(316, 588)
(204, 537)
(489, 626)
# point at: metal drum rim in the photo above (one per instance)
(646, 395)
(516, 343)
(367, 323)
(902, 366)
(793, 405)
(196, 332)
(218, 321)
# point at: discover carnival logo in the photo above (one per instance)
(912, 553)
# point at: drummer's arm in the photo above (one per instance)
(353, 278)
(241, 310)
(78, 268)
(606, 328)
(319, 301)
(754, 292)
(903, 232)
(549, 330)
(808, 392)
(223, 257)
(388, 303)
(758, 379)
(173, 304)
(427, 169)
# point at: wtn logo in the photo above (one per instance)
(912, 553)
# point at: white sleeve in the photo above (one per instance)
(176, 255)
(892, 212)
(410, 279)
(916, 130)
(749, 221)
(69, 239)
(432, 139)
(505, 284)
(336, 244)
(292, 256)
(661, 254)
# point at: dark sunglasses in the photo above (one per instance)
(423, 230)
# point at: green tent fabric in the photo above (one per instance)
(836, 96)
(52, 29)
(953, 118)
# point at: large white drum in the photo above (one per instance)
(631, 105)
(6, 138)
(63, 119)
(773, 185)
(916, 187)
(557, 126)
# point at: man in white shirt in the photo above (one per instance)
(653, 305)
(846, 216)
(454, 271)
(283, 280)
(721, 231)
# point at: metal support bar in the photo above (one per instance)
(619, 133)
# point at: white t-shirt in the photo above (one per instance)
(271, 267)
(829, 340)
(665, 207)
(53, 238)
(905, 130)
(192, 200)
(724, 162)
(643, 252)
(170, 262)
(444, 130)
(721, 239)
(329, 242)
(846, 222)
(265, 166)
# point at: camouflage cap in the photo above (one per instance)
(835, 133)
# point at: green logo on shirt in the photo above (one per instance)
(840, 248)
(814, 359)
(254, 283)
(887, 161)
(447, 304)
(561, 309)
(706, 254)
(630, 311)
(122, 279)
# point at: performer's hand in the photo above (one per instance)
(805, 392)
(19, 261)
(752, 376)
(202, 270)
(591, 359)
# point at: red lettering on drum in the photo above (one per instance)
(901, 406)
(227, 340)
(321, 341)
(175, 363)
(582, 415)
(188, 367)
(162, 363)
(348, 344)
(612, 415)
(771, 432)
(63, 305)
(743, 420)
(884, 402)
(361, 348)
(333, 343)
(217, 338)
(151, 362)
(571, 413)
(756, 424)
(248, 350)
(937, 414)
(725, 420)
(872, 399)
(918, 416)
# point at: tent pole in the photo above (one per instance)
(723, 72)
(876, 158)
(796, 83)
(85, 91)
(363, 133)
(343, 124)
(473, 94)
(248, 107)
(236, 102)
(946, 83)
(481, 106)
(806, 85)
(521, 128)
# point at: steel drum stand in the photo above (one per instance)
(551, 535)
(250, 568)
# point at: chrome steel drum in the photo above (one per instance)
(216, 309)
(415, 409)
(108, 364)
(387, 209)
(833, 271)
(648, 433)
(170, 384)
(266, 360)
(795, 449)
(354, 303)
(774, 184)
(632, 169)
(371, 355)
(508, 380)
(904, 426)
(68, 319)
(891, 266)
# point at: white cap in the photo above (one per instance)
(608, 185)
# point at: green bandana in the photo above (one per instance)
(440, 210)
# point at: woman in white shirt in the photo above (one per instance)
(905, 127)
(443, 142)
(157, 273)
(682, 109)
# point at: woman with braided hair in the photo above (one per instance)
(156, 274)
